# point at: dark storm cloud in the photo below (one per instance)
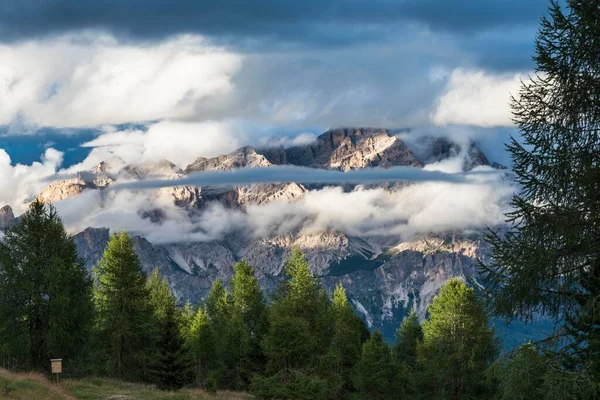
(240, 22)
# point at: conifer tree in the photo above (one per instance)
(46, 304)
(375, 372)
(549, 260)
(408, 337)
(346, 344)
(249, 311)
(171, 367)
(458, 345)
(298, 338)
(125, 319)
(200, 340)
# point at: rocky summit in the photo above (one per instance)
(385, 275)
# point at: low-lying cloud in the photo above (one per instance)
(292, 173)
(425, 207)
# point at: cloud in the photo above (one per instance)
(70, 82)
(425, 207)
(474, 97)
(311, 21)
(417, 209)
(292, 173)
(21, 183)
(176, 141)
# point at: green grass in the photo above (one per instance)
(25, 386)
(29, 387)
(109, 389)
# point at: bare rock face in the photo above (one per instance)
(7, 217)
(347, 149)
(96, 178)
(244, 157)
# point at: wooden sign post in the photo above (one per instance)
(56, 364)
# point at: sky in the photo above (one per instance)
(148, 79)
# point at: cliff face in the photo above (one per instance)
(7, 217)
(347, 149)
(384, 276)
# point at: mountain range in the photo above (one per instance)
(385, 275)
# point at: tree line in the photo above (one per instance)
(301, 344)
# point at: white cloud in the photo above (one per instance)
(419, 208)
(178, 142)
(474, 97)
(67, 82)
(20, 183)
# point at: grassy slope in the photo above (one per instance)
(36, 386)
(26, 386)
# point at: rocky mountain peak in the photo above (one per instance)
(164, 169)
(7, 217)
(244, 157)
(347, 149)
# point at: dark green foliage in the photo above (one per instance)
(46, 304)
(531, 374)
(408, 336)
(171, 366)
(346, 345)
(458, 345)
(549, 260)
(201, 342)
(375, 373)
(249, 320)
(125, 322)
(298, 337)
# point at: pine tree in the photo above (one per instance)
(171, 366)
(408, 337)
(125, 320)
(298, 338)
(46, 305)
(549, 260)
(458, 345)
(219, 307)
(200, 340)
(346, 344)
(249, 312)
(375, 372)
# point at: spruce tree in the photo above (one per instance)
(125, 320)
(201, 342)
(298, 338)
(46, 304)
(346, 344)
(549, 260)
(228, 335)
(375, 373)
(171, 367)
(458, 345)
(249, 312)
(408, 337)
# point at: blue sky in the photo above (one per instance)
(223, 73)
